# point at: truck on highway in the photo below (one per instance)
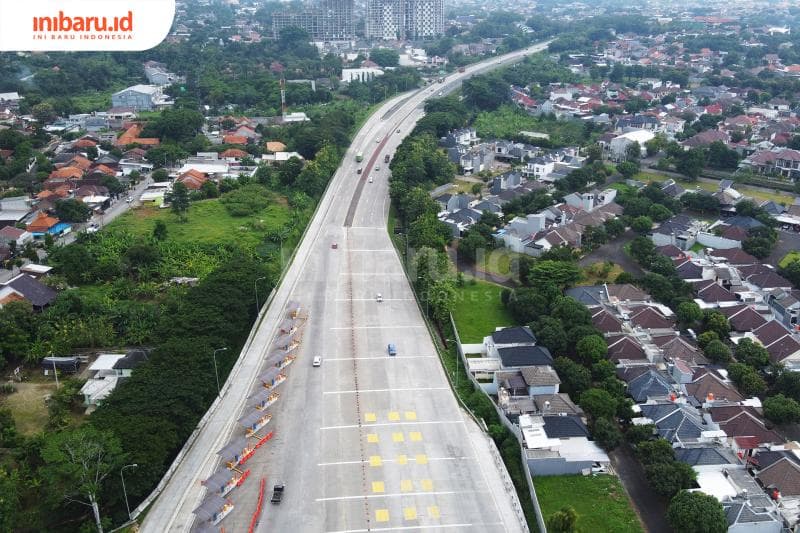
(386, 158)
(360, 156)
(277, 493)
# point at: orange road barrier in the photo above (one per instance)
(257, 513)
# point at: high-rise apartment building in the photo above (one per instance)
(404, 19)
(324, 20)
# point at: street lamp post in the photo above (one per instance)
(216, 373)
(255, 290)
(125, 492)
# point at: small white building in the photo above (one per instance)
(619, 144)
(106, 372)
(360, 74)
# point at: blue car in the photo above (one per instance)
(392, 349)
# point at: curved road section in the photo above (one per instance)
(366, 441)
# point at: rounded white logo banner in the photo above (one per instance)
(84, 25)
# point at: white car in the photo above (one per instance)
(317, 361)
(370, 179)
(379, 297)
(129, 199)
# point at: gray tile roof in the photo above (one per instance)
(703, 456)
(514, 335)
(518, 356)
(559, 427)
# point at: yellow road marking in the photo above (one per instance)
(410, 513)
(406, 485)
(402, 459)
(415, 436)
(426, 484)
(372, 437)
(421, 459)
(397, 437)
(382, 515)
(411, 415)
(394, 416)
(370, 417)
(377, 486)
(375, 460)
(433, 511)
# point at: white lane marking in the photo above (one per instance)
(384, 357)
(385, 424)
(482, 525)
(400, 494)
(371, 274)
(414, 389)
(376, 327)
(373, 299)
(339, 463)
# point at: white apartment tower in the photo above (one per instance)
(404, 19)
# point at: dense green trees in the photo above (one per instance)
(782, 410)
(246, 201)
(71, 210)
(385, 57)
(696, 512)
(76, 464)
(664, 474)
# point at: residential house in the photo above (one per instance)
(619, 145)
(739, 421)
(678, 423)
(106, 372)
(140, 98)
(19, 237)
(24, 287)
(558, 445)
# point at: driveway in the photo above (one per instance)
(612, 251)
(649, 506)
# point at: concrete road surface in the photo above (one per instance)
(366, 441)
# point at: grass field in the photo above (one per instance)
(27, 405)
(207, 221)
(789, 258)
(479, 311)
(600, 501)
(779, 197)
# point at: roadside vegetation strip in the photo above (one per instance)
(600, 501)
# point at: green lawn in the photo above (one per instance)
(779, 197)
(479, 311)
(600, 501)
(207, 222)
(600, 272)
(499, 261)
(789, 258)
